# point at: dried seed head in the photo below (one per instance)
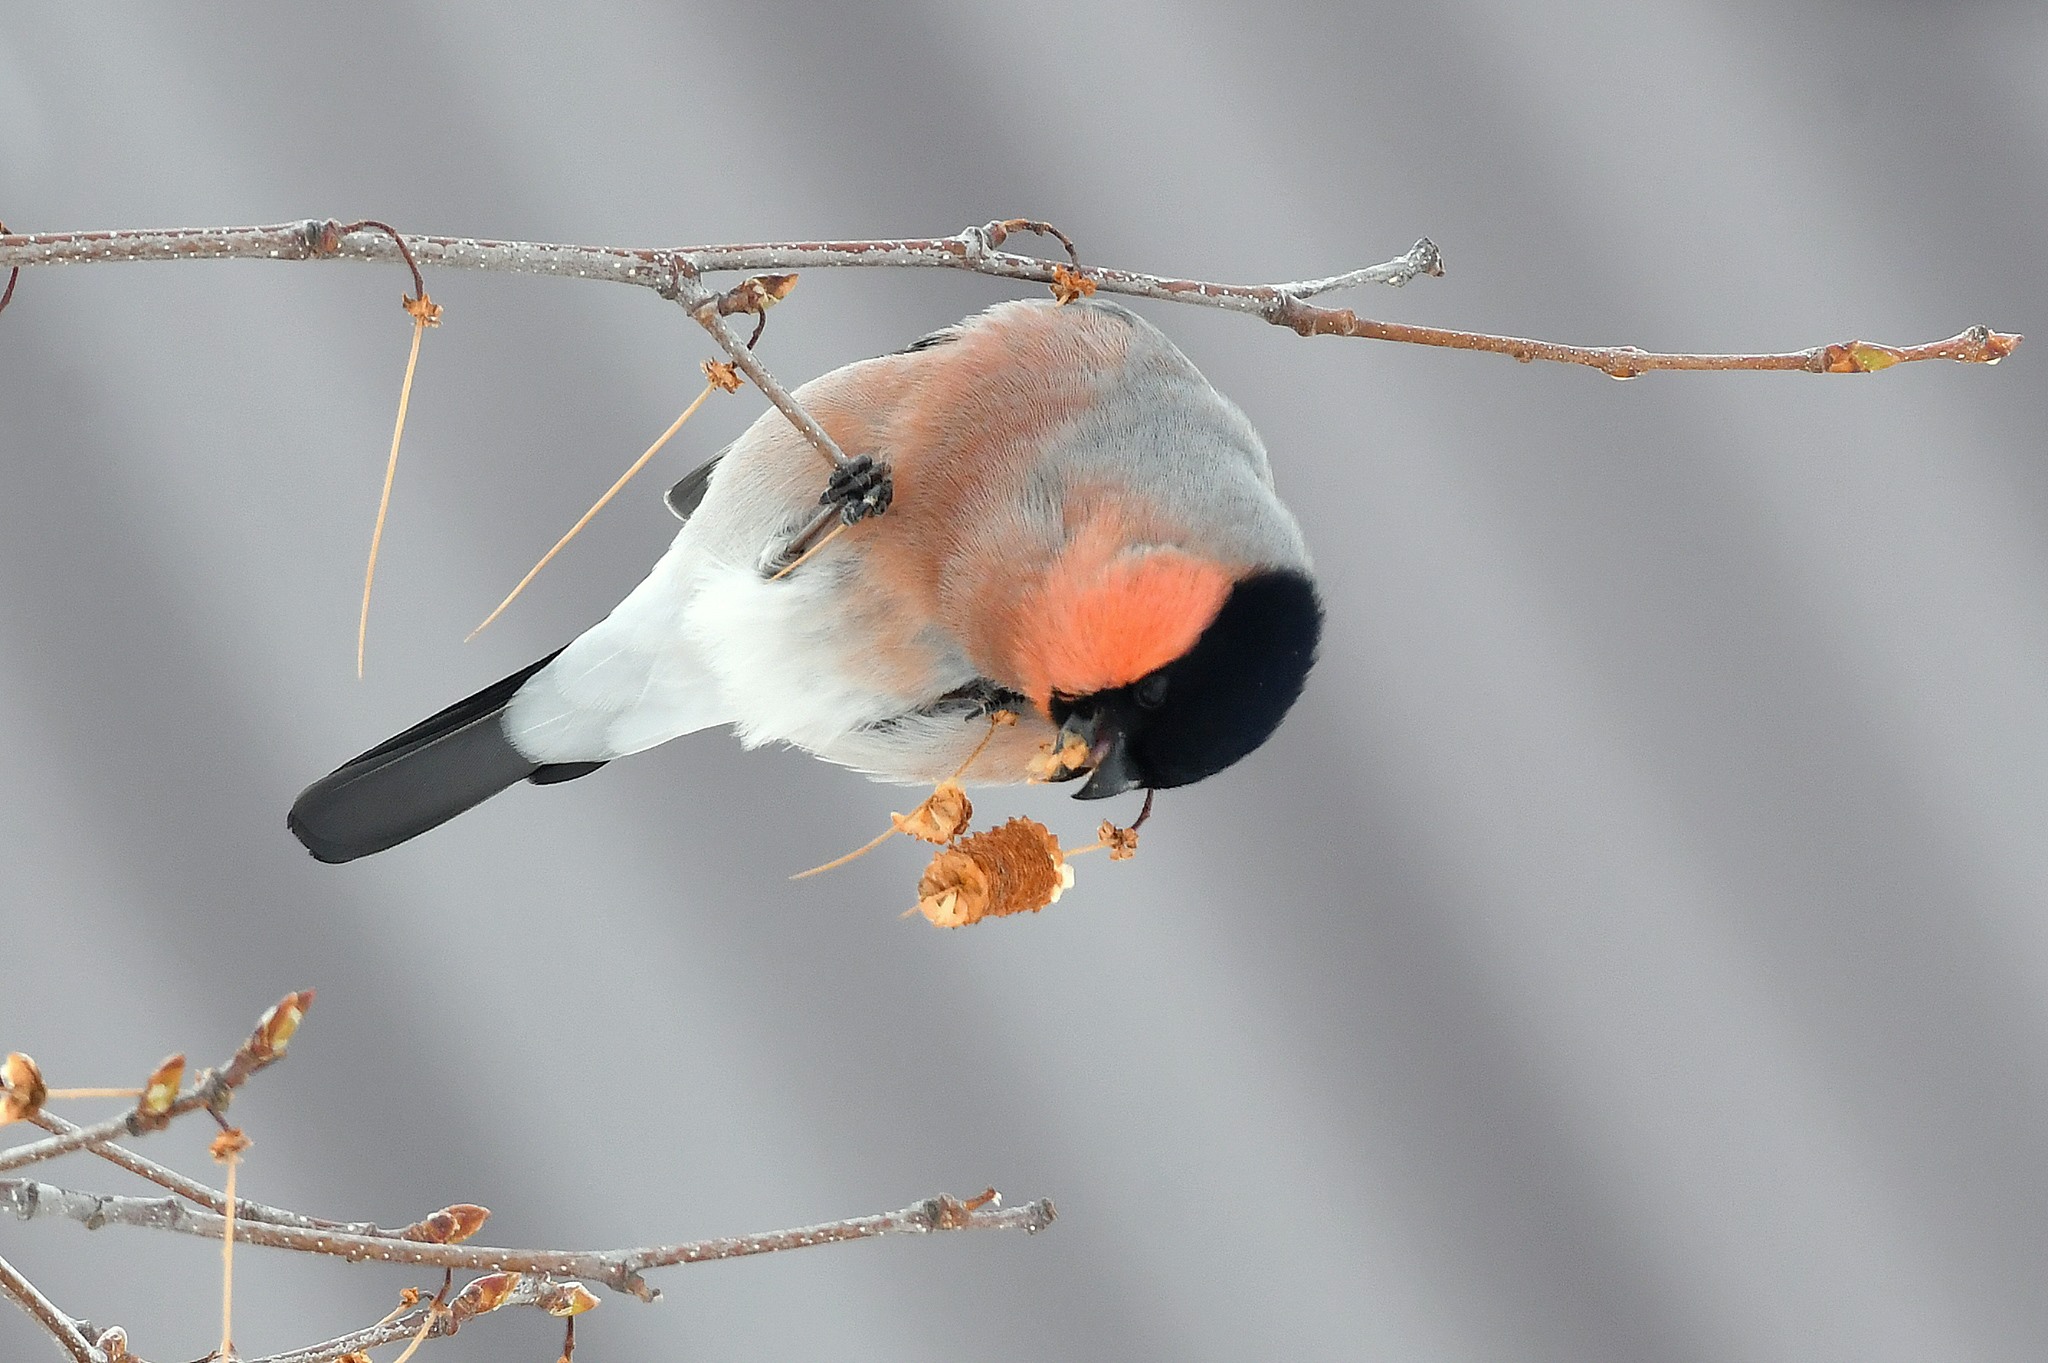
(423, 310)
(487, 1293)
(1016, 868)
(722, 375)
(449, 1226)
(1070, 285)
(941, 818)
(21, 1088)
(1052, 765)
(228, 1144)
(161, 1090)
(1121, 842)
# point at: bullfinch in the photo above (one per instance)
(1082, 530)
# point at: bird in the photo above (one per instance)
(1079, 529)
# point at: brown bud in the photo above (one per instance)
(21, 1088)
(228, 1144)
(568, 1299)
(941, 818)
(722, 375)
(275, 1029)
(449, 1226)
(1016, 868)
(161, 1089)
(757, 294)
(484, 1294)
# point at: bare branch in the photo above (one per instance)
(667, 271)
(1978, 345)
(619, 1269)
(703, 305)
(438, 1320)
(213, 1199)
(213, 1091)
(61, 1327)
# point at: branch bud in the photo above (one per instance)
(487, 1293)
(161, 1090)
(568, 1299)
(275, 1029)
(21, 1088)
(449, 1226)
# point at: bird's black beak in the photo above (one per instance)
(1110, 768)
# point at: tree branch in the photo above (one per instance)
(619, 1269)
(213, 1091)
(437, 1321)
(216, 1201)
(61, 1327)
(667, 270)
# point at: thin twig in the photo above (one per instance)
(619, 1269)
(212, 1198)
(974, 249)
(597, 506)
(426, 1320)
(61, 1327)
(702, 304)
(213, 1090)
(13, 278)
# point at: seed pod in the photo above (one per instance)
(941, 818)
(1016, 868)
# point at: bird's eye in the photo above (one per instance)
(1150, 692)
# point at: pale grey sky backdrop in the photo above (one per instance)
(1634, 948)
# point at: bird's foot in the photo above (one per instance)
(861, 487)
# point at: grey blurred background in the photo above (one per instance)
(1633, 948)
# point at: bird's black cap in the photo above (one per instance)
(1218, 701)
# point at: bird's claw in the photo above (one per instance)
(861, 487)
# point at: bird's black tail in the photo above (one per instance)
(422, 778)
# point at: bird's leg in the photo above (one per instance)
(857, 488)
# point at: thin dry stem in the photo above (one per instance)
(599, 505)
(419, 1336)
(227, 1263)
(805, 557)
(419, 328)
(995, 721)
(855, 855)
(673, 273)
